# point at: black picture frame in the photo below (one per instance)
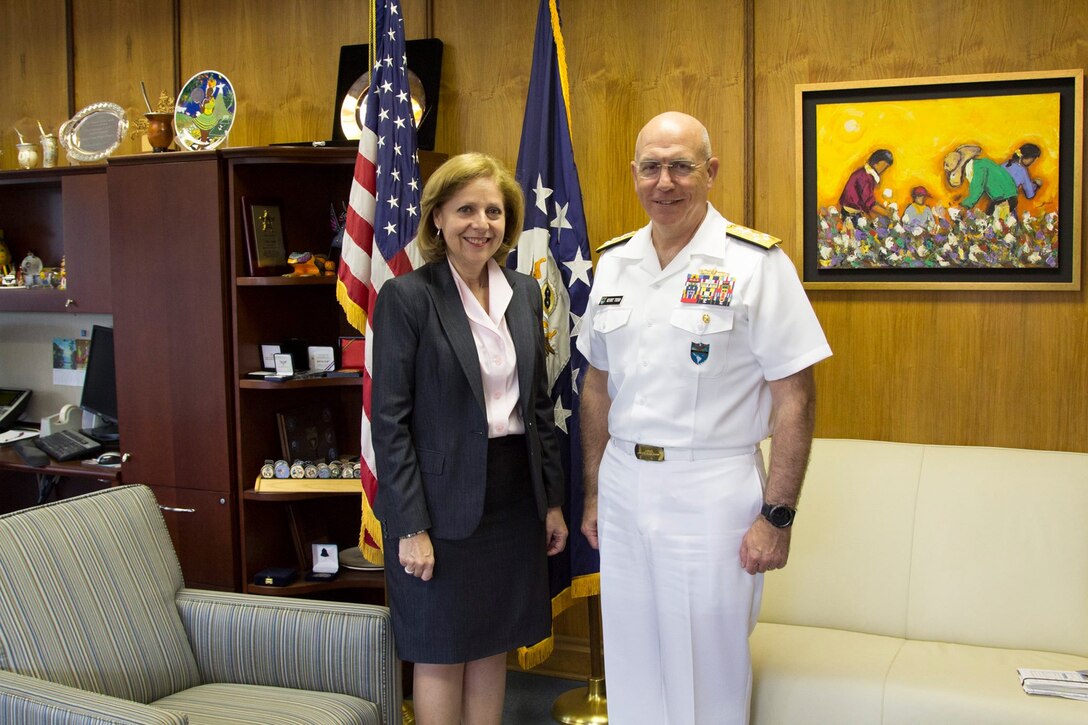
(424, 58)
(827, 259)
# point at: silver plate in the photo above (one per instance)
(94, 133)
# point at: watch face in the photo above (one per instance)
(780, 516)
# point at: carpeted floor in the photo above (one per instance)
(529, 697)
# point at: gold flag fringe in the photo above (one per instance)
(355, 314)
(561, 58)
(588, 585)
(371, 526)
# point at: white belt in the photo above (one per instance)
(648, 452)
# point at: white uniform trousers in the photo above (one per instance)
(676, 606)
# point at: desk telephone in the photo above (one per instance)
(61, 437)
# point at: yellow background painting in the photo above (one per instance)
(919, 133)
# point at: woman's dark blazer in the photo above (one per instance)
(428, 421)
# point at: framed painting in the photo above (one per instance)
(943, 183)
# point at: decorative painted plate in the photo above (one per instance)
(205, 111)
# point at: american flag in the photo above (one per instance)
(554, 248)
(383, 213)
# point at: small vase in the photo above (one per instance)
(160, 131)
(28, 155)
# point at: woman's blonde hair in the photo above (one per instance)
(447, 180)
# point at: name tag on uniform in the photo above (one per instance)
(611, 300)
(709, 287)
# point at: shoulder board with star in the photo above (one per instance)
(744, 234)
(615, 242)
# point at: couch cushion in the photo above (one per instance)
(813, 675)
(225, 704)
(1001, 549)
(289, 642)
(25, 700)
(933, 682)
(88, 586)
(849, 562)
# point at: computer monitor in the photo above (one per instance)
(100, 385)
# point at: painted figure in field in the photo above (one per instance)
(985, 177)
(918, 217)
(858, 198)
(1017, 166)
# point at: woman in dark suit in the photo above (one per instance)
(470, 482)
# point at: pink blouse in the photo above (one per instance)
(498, 361)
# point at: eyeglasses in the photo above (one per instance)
(677, 169)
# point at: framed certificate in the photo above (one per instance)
(266, 252)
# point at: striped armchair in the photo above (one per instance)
(96, 626)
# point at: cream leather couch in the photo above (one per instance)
(920, 578)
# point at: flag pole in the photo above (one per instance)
(587, 705)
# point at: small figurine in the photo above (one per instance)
(52, 276)
(310, 264)
(302, 265)
(63, 273)
(31, 267)
(338, 223)
(6, 267)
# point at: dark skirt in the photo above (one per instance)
(489, 593)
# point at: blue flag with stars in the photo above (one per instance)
(554, 248)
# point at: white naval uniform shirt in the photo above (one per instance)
(638, 329)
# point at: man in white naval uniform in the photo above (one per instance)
(701, 343)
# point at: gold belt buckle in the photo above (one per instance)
(644, 452)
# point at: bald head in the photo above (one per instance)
(674, 127)
(673, 171)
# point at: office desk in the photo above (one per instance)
(22, 485)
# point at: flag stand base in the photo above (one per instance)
(582, 706)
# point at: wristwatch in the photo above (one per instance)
(780, 515)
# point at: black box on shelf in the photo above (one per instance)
(275, 576)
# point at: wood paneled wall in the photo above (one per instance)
(628, 61)
(34, 71)
(961, 368)
(985, 368)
